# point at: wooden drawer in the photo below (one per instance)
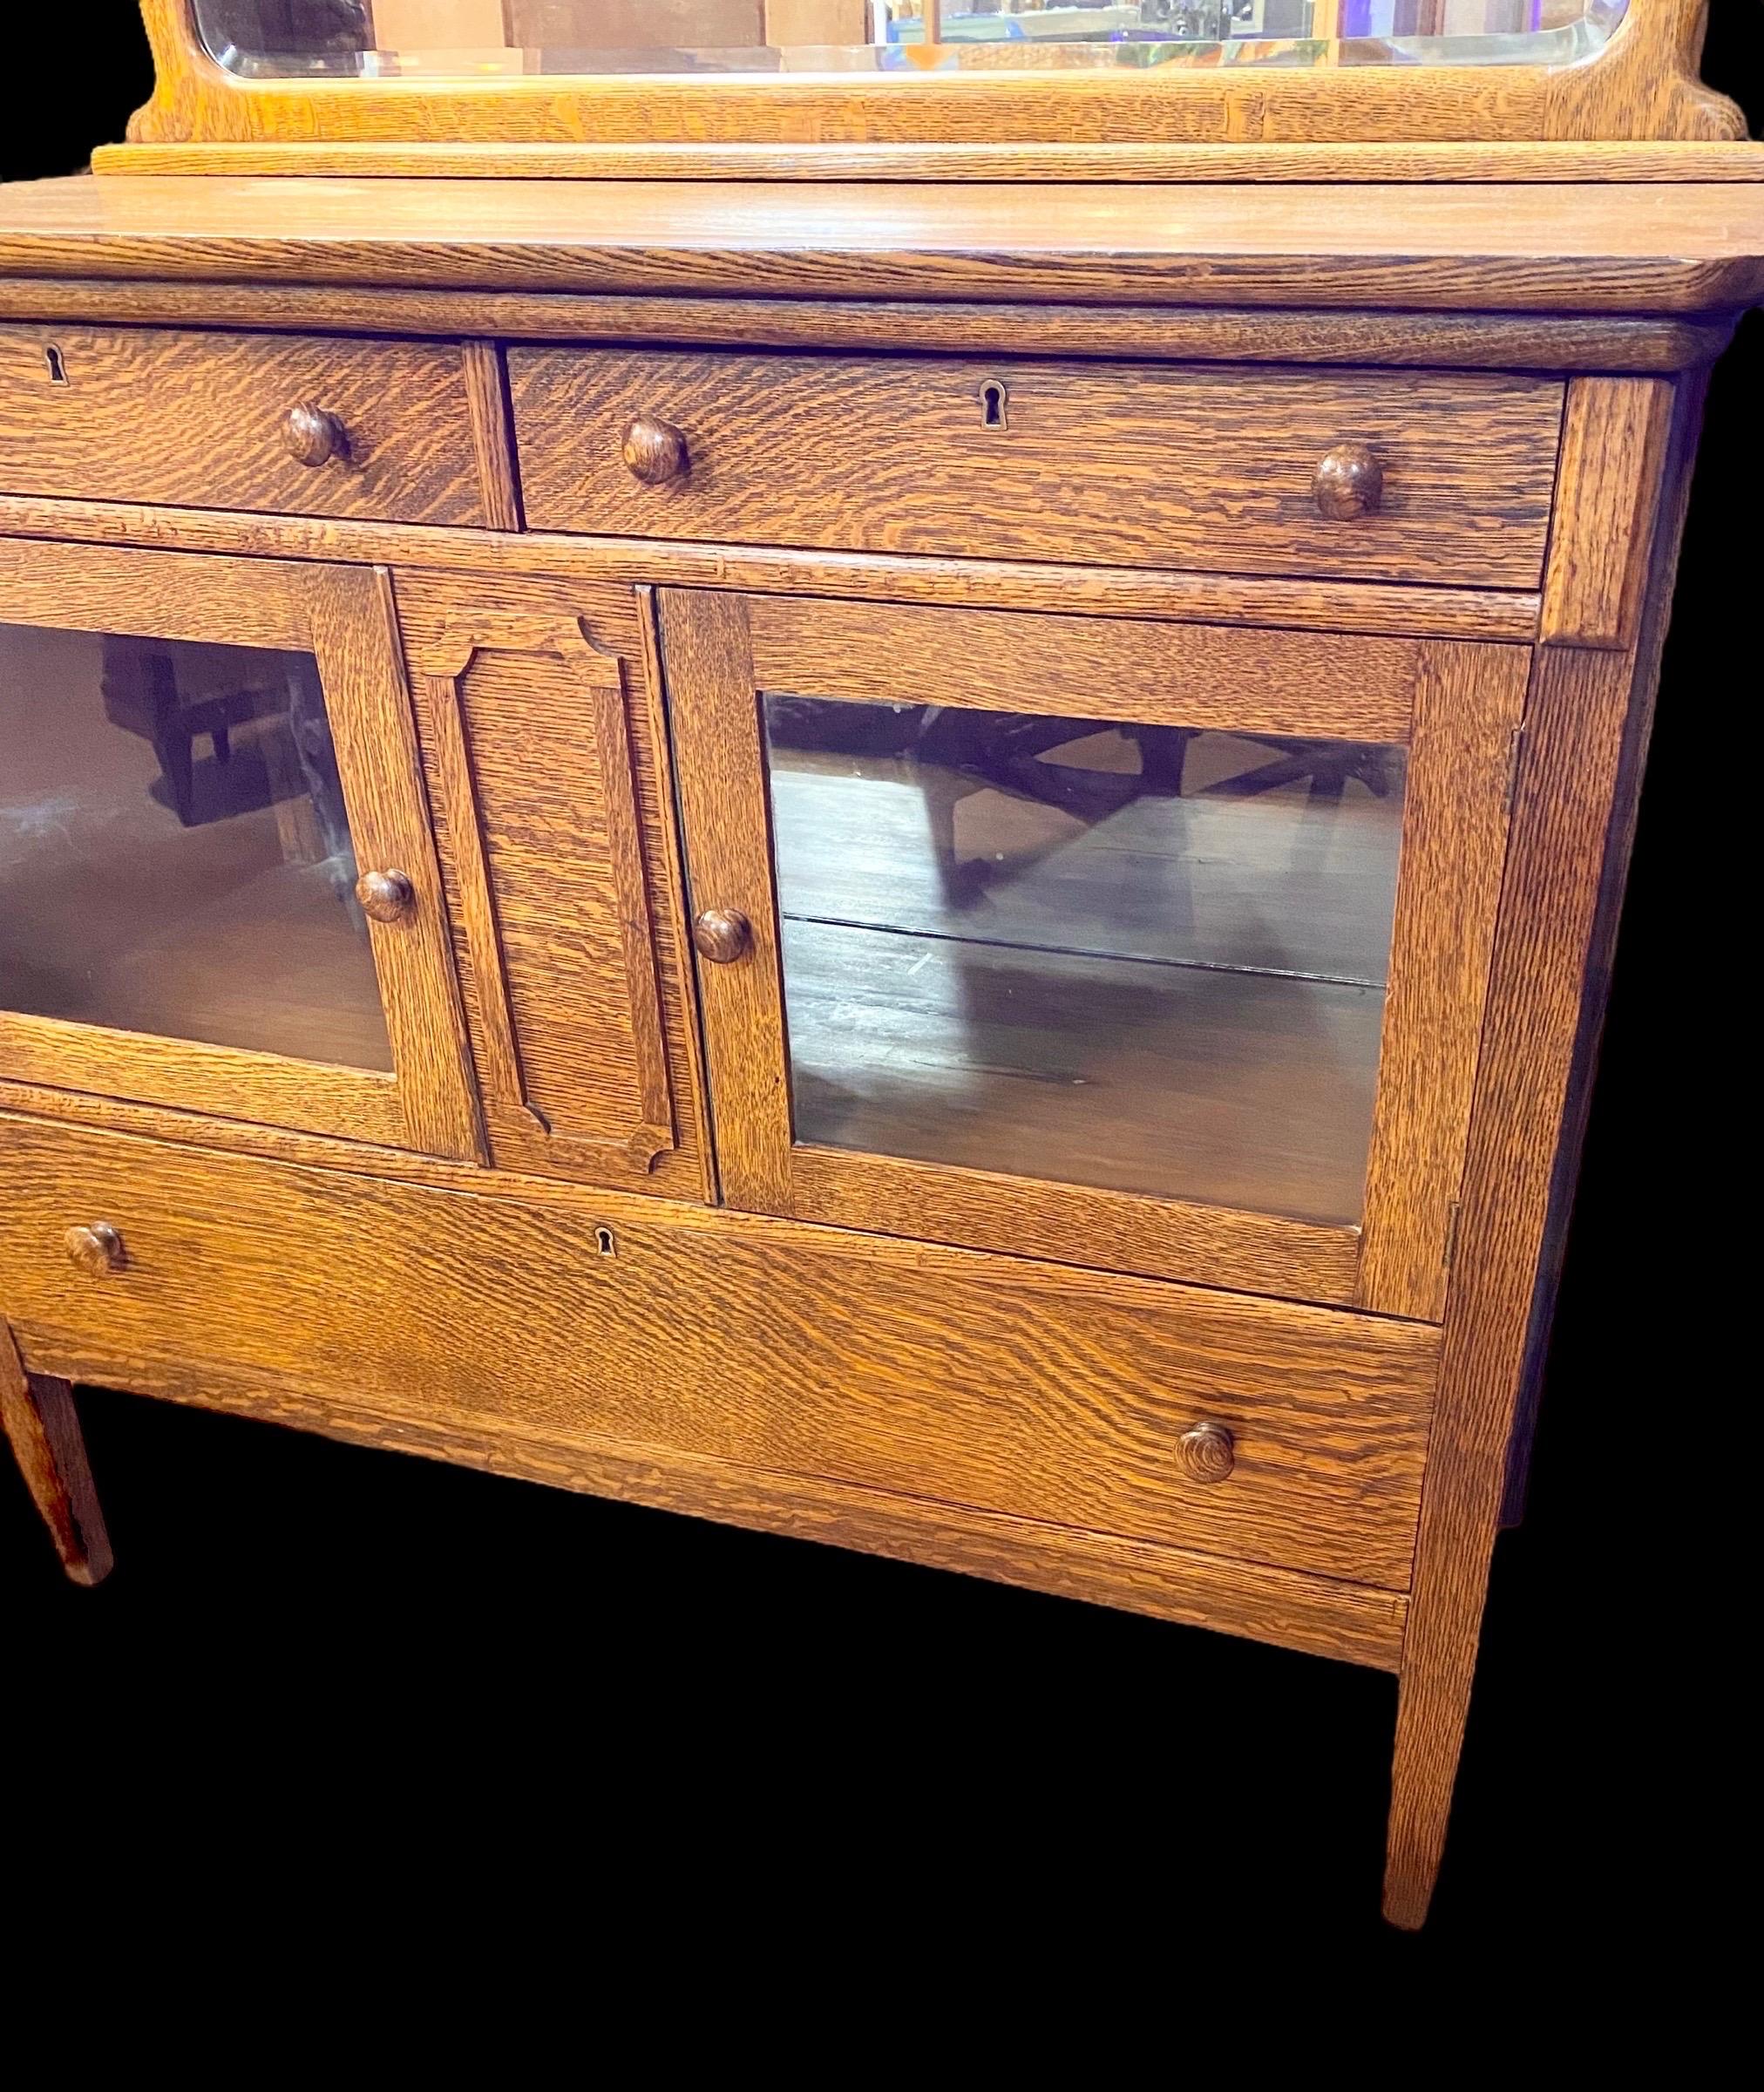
(1136, 466)
(199, 420)
(994, 1382)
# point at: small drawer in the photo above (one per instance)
(1438, 476)
(1177, 1416)
(292, 424)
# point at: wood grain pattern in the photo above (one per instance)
(1642, 84)
(492, 434)
(343, 617)
(1468, 704)
(1373, 608)
(42, 1427)
(1567, 822)
(721, 652)
(1548, 342)
(1076, 1224)
(355, 641)
(1098, 464)
(1010, 1387)
(1247, 681)
(153, 594)
(1672, 504)
(546, 803)
(1503, 161)
(185, 1075)
(1622, 247)
(665, 858)
(719, 770)
(145, 415)
(1613, 435)
(1352, 1623)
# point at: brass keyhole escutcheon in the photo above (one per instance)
(994, 404)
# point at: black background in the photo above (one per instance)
(318, 1669)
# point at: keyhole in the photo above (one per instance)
(57, 367)
(994, 399)
(604, 1242)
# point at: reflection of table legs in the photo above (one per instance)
(44, 1428)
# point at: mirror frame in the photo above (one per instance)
(1170, 123)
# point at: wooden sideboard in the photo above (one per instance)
(875, 862)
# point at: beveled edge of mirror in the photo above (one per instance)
(1624, 108)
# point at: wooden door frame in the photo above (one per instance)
(343, 617)
(1457, 705)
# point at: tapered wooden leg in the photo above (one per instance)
(44, 1429)
(1627, 443)
(1432, 1702)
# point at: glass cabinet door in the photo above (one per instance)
(1153, 947)
(216, 887)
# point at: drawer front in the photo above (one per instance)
(201, 421)
(1142, 465)
(999, 1383)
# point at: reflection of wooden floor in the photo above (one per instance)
(110, 913)
(1208, 1031)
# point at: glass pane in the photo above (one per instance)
(174, 855)
(1150, 959)
(471, 40)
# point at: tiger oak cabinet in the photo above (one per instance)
(892, 815)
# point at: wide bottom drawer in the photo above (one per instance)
(996, 1383)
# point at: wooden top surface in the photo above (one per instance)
(1679, 247)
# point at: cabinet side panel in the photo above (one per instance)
(1579, 727)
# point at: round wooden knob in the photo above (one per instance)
(313, 436)
(1350, 482)
(654, 451)
(722, 934)
(1207, 1452)
(97, 1250)
(385, 896)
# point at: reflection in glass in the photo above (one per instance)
(1147, 958)
(174, 853)
(470, 39)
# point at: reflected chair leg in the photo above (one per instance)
(44, 1428)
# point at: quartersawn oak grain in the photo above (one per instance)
(1586, 724)
(1468, 704)
(721, 651)
(1642, 84)
(43, 1426)
(1614, 434)
(1618, 247)
(1373, 607)
(1095, 463)
(1614, 259)
(1011, 1387)
(544, 768)
(146, 415)
(1547, 342)
(1248, 681)
(1503, 161)
(343, 617)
